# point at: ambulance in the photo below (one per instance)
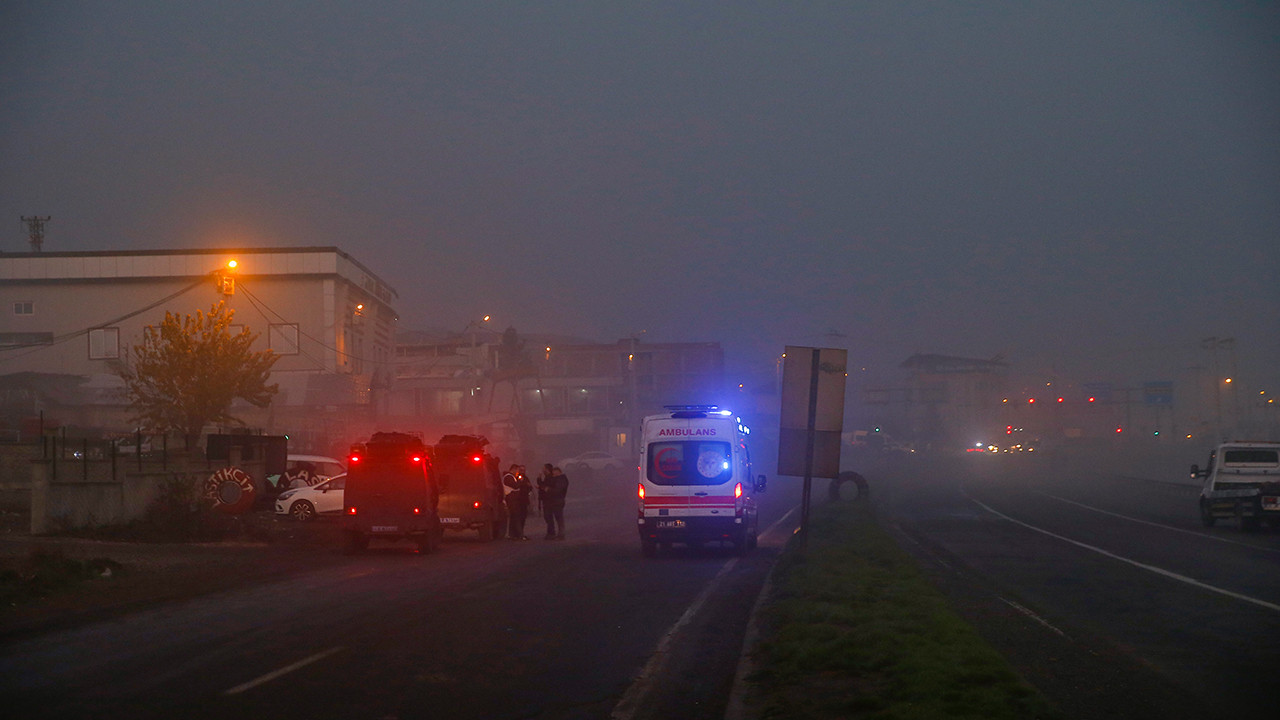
(696, 484)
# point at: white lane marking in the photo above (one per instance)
(629, 705)
(282, 671)
(1155, 524)
(1135, 563)
(781, 520)
(1027, 611)
(630, 702)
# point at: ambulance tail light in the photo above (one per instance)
(351, 510)
(738, 505)
(640, 497)
(417, 511)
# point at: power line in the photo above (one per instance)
(77, 333)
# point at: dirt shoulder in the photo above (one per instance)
(145, 574)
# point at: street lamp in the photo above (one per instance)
(474, 326)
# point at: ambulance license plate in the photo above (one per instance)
(670, 523)
(385, 528)
(453, 521)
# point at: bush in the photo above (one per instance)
(44, 573)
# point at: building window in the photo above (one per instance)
(24, 308)
(104, 343)
(447, 402)
(283, 339)
(579, 400)
(22, 339)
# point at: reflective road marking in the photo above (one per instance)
(1135, 563)
(282, 671)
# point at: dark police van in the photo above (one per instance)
(470, 486)
(391, 493)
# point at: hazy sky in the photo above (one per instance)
(1086, 187)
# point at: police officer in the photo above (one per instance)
(515, 491)
(554, 490)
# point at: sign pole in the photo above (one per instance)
(808, 452)
(810, 421)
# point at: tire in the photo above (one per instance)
(429, 542)
(648, 548)
(1206, 517)
(302, 511)
(354, 543)
(488, 531)
(230, 490)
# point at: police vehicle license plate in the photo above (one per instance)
(670, 523)
(451, 520)
(386, 528)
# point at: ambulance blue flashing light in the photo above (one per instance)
(710, 409)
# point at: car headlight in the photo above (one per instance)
(287, 494)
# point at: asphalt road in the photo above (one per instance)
(1101, 587)
(1104, 588)
(580, 628)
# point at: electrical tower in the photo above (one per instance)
(35, 230)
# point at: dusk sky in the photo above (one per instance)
(1083, 188)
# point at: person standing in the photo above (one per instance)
(555, 490)
(516, 489)
(508, 486)
(544, 477)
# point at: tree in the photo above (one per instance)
(188, 371)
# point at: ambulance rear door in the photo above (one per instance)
(688, 477)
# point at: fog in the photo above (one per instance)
(1087, 191)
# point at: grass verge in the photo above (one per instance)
(855, 630)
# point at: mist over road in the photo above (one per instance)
(1100, 583)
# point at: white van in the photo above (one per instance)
(696, 484)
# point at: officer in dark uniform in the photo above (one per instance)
(554, 490)
(516, 490)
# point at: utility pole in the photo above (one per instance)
(35, 230)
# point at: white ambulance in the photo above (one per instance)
(696, 484)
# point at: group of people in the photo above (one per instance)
(553, 487)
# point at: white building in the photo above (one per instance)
(330, 318)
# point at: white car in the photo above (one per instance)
(305, 503)
(591, 463)
(304, 470)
